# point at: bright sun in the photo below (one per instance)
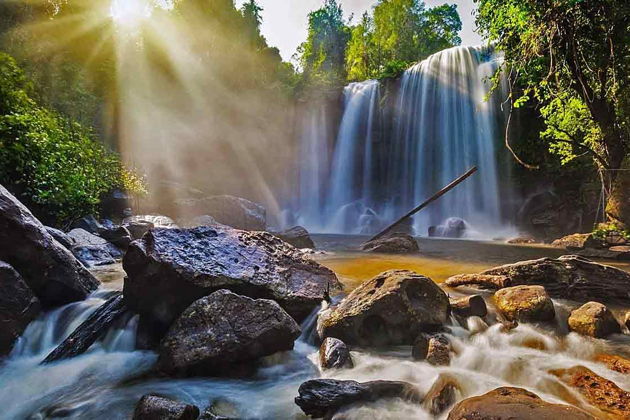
(130, 13)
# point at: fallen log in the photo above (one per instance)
(90, 330)
(482, 281)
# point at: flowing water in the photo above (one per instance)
(107, 381)
(390, 155)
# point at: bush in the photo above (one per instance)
(49, 161)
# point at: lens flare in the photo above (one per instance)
(129, 13)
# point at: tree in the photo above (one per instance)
(360, 56)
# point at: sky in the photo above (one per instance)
(284, 21)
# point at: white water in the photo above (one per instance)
(101, 384)
(440, 126)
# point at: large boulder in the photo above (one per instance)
(392, 308)
(595, 320)
(50, 270)
(153, 407)
(168, 269)
(18, 307)
(323, 397)
(225, 331)
(578, 241)
(296, 236)
(568, 277)
(88, 223)
(60, 237)
(228, 210)
(525, 304)
(397, 243)
(514, 403)
(93, 250)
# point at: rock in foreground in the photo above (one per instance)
(397, 243)
(168, 269)
(392, 308)
(595, 320)
(223, 330)
(152, 407)
(525, 304)
(50, 270)
(514, 403)
(323, 397)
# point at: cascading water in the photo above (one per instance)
(386, 161)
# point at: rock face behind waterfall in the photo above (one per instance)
(18, 307)
(392, 308)
(49, 269)
(223, 330)
(168, 269)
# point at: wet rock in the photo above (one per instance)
(225, 331)
(570, 277)
(168, 269)
(296, 236)
(507, 326)
(522, 240)
(153, 407)
(138, 228)
(88, 224)
(18, 307)
(442, 395)
(578, 241)
(93, 250)
(468, 306)
(235, 212)
(482, 281)
(595, 320)
(392, 308)
(155, 220)
(221, 409)
(453, 227)
(334, 354)
(119, 236)
(60, 237)
(514, 403)
(613, 362)
(398, 243)
(321, 398)
(439, 350)
(50, 270)
(601, 393)
(525, 304)
(94, 327)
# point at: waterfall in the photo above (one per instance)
(392, 154)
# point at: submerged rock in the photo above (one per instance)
(568, 277)
(392, 308)
(235, 212)
(396, 243)
(50, 270)
(153, 407)
(224, 331)
(221, 409)
(514, 403)
(525, 304)
(595, 320)
(601, 393)
(334, 354)
(296, 236)
(323, 397)
(168, 269)
(18, 307)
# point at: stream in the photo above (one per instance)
(107, 381)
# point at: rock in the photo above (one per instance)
(115, 203)
(483, 281)
(204, 220)
(153, 407)
(93, 250)
(601, 393)
(578, 241)
(90, 330)
(548, 216)
(525, 304)
(168, 269)
(507, 326)
(334, 354)
(468, 306)
(50, 270)
(224, 331)
(570, 277)
(138, 228)
(613, 362)
(398, 243)
(442, 395)
(88, 224)
(18, 307)
(235, 212)
(453, 227)
(522, 240)
(118, 236)
(420, 347)
(439, 350)
(296, 236)
(221, 409)
(595, 320)
(60, 237)
(626, 320)
(155, 220)
(514, 403)
(392, 308)
(619, 253)
(323, 397)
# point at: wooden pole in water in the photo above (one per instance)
(426, 203)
